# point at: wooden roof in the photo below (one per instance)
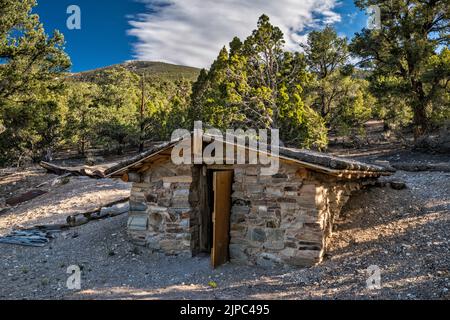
(316, 161)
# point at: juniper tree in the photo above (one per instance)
(405, 54)
(258, 84)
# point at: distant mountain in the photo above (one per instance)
(151, 69)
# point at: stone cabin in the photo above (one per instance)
(234, 213)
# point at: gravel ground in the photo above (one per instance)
(405, 233)
(77, 195)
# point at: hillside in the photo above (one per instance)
(151, 69)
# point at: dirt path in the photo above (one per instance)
(405, 233)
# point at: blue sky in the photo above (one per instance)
(188, 32)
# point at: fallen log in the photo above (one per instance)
(24, 197)
(110, 212)
(78, 220)
(98, 213)
(115, 210)
(91, 172)
(50, 228)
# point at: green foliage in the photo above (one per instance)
(256, 84)
(403, 78)
(166, 108)
(391, 105)
(82, 115)
(111, 108)
(336, 92)
(42, 108)
(32, 62)
(438, 69)
(31, 59)
(355, 108)
(403, 54)
(32, 129)
(118, 108)
(325, 52)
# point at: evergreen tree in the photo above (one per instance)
(119, 108)
(326, 56)
(82, 115)
(29, 56)
(31, 71)
(401, 53)
(256, 84)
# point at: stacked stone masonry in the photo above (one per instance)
(161, 200)
(284, 219)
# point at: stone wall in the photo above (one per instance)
(160, 210)
(282, 219)
(286, 218)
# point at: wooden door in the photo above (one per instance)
(222, 182)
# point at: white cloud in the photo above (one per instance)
(191, 32)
